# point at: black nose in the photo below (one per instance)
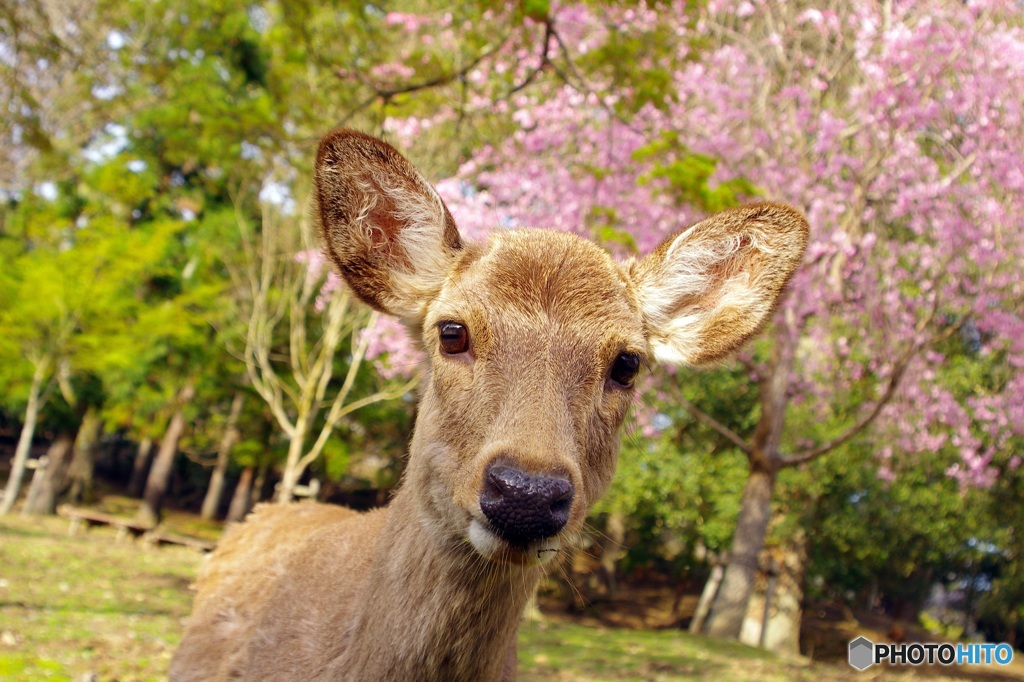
(524, 507)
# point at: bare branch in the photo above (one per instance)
(716, 425)
(259, 331)
(890, 390)
(549, 33)
(335, 416)
(858, 426)
(386, 94)
(338, 408)
(337, 313)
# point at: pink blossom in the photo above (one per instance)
(898, 135)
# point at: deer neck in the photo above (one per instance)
(433, 609)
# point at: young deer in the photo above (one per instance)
(534, 340)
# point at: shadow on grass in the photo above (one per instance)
(24, 532)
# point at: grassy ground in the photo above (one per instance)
(71, 606)
(87, 605)
(565, 651)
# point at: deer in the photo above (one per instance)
(534, 342)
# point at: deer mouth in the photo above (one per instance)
(489, 544)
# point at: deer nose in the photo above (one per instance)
(524, 507)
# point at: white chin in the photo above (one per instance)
(493, 548)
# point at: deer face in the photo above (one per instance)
(534, 339)
(535, 342)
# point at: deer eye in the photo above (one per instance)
(454, 338)
(625, 369)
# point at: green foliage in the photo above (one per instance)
(639, 66)
(898, 532)
(675, 500)
(335, 459)
(249, 452)
(603, 225)
(1001, 610)
(537, 10)
(681, 489)
(687, 176)
(73, 294)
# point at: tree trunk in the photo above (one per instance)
(159, 474)
(707, 597)
(49, 481)
(782, 634)
(83, 461)
(260, 483)
(38, 474)
(140, 467)
(758, 606)
(241, 500)
(214, 493)
(291, 474)
(1015, 632)
(612, 551)
(730, 605)
(24, 446)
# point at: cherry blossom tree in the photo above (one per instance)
(890, 124)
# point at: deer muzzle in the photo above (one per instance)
(523, 507)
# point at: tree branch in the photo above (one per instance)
(716, 425)
(859, 425)
(549, 33)
(385, 94)
(338, 408)
(890, 389)
(336, 414)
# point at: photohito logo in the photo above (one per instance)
(864, 653)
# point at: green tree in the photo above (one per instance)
(68, 289)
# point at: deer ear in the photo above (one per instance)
(382, 224)
(710, 288)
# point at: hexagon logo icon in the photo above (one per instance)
(862, 653)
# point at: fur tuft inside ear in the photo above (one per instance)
(382, 224)
(707, 290)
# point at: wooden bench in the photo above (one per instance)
(158, 538)
(125, 527)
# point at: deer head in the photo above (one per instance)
(534, 338)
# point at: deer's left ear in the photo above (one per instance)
(707, 290)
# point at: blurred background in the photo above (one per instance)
(174, 350)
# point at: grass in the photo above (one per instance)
(566, 651)
(71, 607)
(87, 604)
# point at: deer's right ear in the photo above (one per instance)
(382, 224)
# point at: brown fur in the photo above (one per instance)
(313, 592)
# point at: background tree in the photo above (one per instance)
(906, 220)
(69, 291)
(282, 290)
(230, 438)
